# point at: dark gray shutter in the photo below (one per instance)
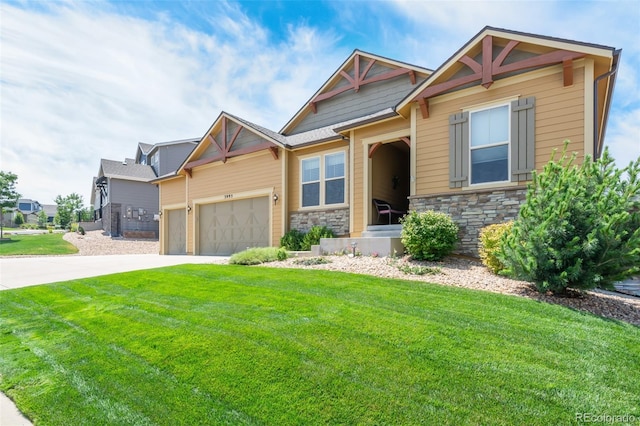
(522, 139)
(459, 150)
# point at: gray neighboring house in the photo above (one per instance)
(30, 210)
(124, 198)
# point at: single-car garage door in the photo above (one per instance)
(231, 226)
(176, 232)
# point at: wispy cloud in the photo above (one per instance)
(82, 82)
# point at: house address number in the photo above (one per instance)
(227, 196)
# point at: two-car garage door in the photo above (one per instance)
(228, 227)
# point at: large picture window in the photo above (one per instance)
(323, 180)
(489, 145)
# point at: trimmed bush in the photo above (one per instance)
(19, 219)
(292, 240)
(313, 236)
(490, 245)
(579, 226)
(258, 255)
(429, 235)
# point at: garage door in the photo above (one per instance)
(232, 226)
(176, 232)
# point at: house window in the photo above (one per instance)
(323, 180)
(489, 145)
(154, 162)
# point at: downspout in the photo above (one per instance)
(605, 112)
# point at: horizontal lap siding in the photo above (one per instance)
(559, 116)
(240, 174)
(172, 192)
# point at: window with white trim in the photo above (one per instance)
(489, 135)
(323, 180)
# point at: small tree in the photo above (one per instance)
(8, 195)
(69, 207)
(42, 219)
(579, 226)
(19, 218)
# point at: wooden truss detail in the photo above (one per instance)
(374, 147)
(225, 151)
(490, 68)
(360, 79)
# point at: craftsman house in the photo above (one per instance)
(124, 199)
(382, 137)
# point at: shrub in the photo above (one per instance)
(73, 227)
(490, 245)
(579, 226)
(313, 236)
(429, 235)
(258, 255)
(310, 261)
(292, 240)
(19, 219)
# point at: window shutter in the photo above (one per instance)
(459, 150)
(522, 139)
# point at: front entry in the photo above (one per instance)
(390, 180)
(228, 227)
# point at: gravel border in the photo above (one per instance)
(454, 271)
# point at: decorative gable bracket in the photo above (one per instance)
(360, 79)
(490, 68)
(225, 148)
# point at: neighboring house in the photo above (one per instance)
(463, 139)
(30, 210)
(123, 196)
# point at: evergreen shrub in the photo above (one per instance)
(292, 240)
(429, 235)
(313, 236)
(579, 227)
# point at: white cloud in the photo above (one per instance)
(81, 82)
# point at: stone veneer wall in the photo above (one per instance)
(335, 219)
(473, 210)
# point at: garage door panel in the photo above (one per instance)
(232, 226)
(176, 232)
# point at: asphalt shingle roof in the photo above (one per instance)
(128, 170)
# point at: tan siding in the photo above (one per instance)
(241, 174)
(559, 116)
(172, 192)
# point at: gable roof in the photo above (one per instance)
(126, 170)
(270, 137)
(331, 88)
(517, 38)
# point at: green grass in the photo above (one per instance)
(207, 344)
(39, 244)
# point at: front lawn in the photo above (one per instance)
(207, 344)
(36, 245)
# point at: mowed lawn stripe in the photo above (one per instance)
(203, 343)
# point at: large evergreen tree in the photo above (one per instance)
(579, 226)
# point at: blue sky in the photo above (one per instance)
(84, 80)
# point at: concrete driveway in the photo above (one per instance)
(25, 271)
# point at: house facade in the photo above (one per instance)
(462, 139)
(124, 198)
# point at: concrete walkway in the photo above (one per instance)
(25, 271)
(16, 272)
